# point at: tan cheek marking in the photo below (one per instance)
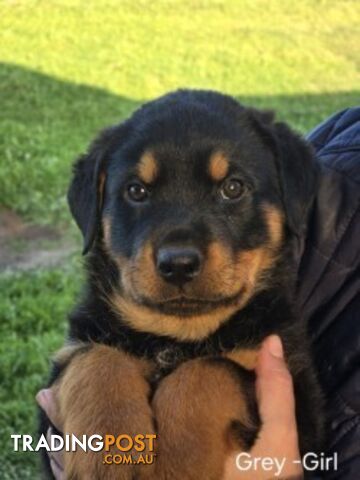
(253, 262)
(217, 267)
(141, 272)
(259, 260)
(218, 276)
(275, 222)
(147, 168)
(246, 357)
(218, 166)
(218, 256)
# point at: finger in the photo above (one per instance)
(274, 388)
(278, 434)
(56, 457)
(46, 400)
(57, 472)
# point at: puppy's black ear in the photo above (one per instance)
(296, 165)
(298, 173)
(86, 191)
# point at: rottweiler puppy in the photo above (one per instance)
(189, 211)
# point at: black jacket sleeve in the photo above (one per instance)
(329, 284)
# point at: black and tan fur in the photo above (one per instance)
(177, 357)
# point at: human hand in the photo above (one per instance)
(46, 400)
(278, 436)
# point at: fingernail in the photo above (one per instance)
(56, 469)
(275, 346)
(43, 397)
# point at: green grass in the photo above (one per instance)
(71, 67)
(33, 308)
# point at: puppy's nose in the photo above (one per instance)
(178, 265)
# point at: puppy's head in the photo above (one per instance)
(192, 198)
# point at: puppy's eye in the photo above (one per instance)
(232, 189)
(136, 192)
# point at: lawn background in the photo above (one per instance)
(69, 68)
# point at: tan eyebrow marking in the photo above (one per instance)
(147, 167)
(218, 166)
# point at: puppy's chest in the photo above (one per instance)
(169, 358)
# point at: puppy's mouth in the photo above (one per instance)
(184, 306)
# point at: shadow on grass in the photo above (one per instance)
(46, 122)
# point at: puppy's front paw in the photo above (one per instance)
(199, 409)
(105, 392)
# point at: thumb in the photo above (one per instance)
(274, 390)
(46, 399)
(278, 434)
